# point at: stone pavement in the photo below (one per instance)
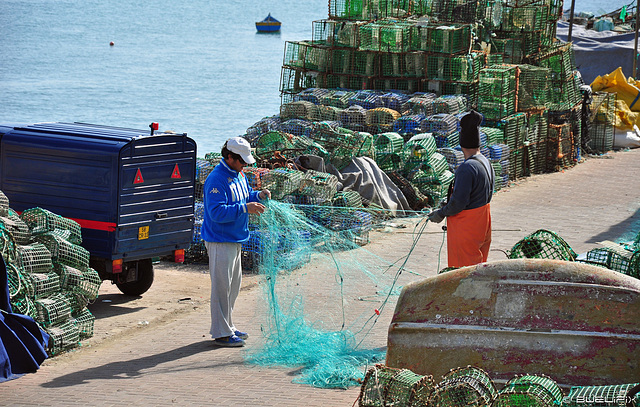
(173, 362)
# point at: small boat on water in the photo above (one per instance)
(269, 25)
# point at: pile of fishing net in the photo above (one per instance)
(330, 344)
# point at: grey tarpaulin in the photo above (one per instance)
(599, 53)
(364, 176)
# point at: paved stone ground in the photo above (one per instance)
(173, 362)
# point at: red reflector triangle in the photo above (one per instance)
(176, 172)
(138, 179)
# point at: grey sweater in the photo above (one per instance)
(473, 186)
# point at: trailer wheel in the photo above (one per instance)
(143, 282)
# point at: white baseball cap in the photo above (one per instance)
(241, 147)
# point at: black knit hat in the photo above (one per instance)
(470, 130)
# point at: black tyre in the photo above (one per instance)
(143, 283)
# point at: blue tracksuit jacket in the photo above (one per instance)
(226, 193)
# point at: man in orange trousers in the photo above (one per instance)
(467, 210)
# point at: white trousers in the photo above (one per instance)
(225, 269)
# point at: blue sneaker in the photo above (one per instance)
(241, 335)
(229, 341)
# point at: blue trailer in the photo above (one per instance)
(131, 191)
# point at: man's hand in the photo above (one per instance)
(255, 207)
(264, 194)
(436, 216)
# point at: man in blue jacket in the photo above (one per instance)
(228, 201)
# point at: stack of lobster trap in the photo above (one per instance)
(390, 80)
(48, 273)
(501, 56)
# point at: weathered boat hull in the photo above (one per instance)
(576, 323)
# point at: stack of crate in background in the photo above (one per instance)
(503, 57)
(48, 273)
(390, 80)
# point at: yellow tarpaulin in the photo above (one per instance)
(627, 95)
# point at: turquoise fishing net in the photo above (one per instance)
(311, 252)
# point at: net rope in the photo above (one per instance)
(330, 344)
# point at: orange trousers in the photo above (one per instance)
(469, 237)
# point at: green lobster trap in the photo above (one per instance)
(304, 145)
(336, 33)
(85, 282)
(62, 336)
(84, 322)
(65, 252)
(560, 147)
(542, 244)
(616, 257)
(518, 19)
(493, 135)
(388, 386)
(282, 181)
(536, 143)
(301, 109)
(389, 142)
(619, 395)
(403, 65)
(497, 91)
(422, 103)
(24, 305)
(601, 130)
(443, 38)
(389, 161)
(307, 56)
(20, 285)
(372, 9)
(268, 143)
(560, 59)
(33, 258)
(435, 187)
(406, 85)
(533, 88)
(41, 221)
(469, 386)
(295, 80)
(44, 284)
(347, 199)
(385, 36)
(337, 98)
(317, 184)
(77, 302)
(52, 310)
(419, 148)
(529, 391)
(460, 68)
(4, 204)
(515, 132)
(16, 227)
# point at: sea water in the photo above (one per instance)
(193, 66)
(197, 67)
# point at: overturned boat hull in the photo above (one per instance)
(576, 323)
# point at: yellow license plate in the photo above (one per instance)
(143, 232)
